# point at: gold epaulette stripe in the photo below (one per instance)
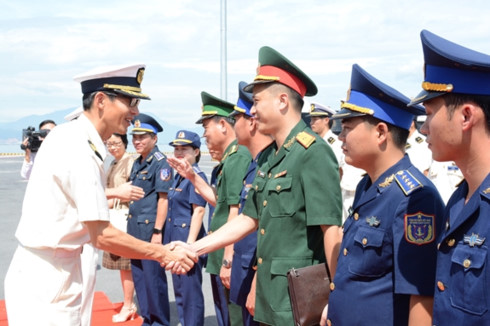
(209, 112)
(262, 77)
(356, 108)
(183, 141)
(428, 86)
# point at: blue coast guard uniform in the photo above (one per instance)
(389, 244)
(182, 196)
(462, 295)
(244, 257)
(154, 175)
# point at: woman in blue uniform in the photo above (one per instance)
(186, 210)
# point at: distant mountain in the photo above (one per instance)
(11, 132)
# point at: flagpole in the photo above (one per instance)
(224, 86)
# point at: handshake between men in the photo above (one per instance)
(179, 257)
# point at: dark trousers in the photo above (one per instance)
(150, 283)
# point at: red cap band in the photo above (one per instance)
(282, 76)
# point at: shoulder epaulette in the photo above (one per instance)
(331, 140)
(305, 139)
(159, 156)
(419, 139)
(232, 150)
(92, 146)
(407, 182)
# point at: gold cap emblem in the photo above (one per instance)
(181, 135)
(137, 124)
(139, 75)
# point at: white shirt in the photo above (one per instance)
(446, 176)
(25, 172)
(334, 143)
(418, 151)
(66, 188)
(350, 175)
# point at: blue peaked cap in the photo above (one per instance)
(369, 96)
(452, 68)
(244, 103)
(186, 137)
(144, 123)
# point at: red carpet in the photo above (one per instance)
(102, 312)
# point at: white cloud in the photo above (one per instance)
(44, 44)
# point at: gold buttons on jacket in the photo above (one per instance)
(270, 175)
(356, 216)
(129, 215)
(467, 263)
(170, 219)
(256, 187)
(265, 203)
(146, 221)
(262, 231)
(451, 242)
(345, 251)
(332, 286)
(364, 241)
(259, 260)
(278, 187)
(184, 225)
(440, 286)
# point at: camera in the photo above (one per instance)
(34, 138)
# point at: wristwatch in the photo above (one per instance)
(226, 263)
(156, 231)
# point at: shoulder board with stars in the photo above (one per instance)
(407, 182)
(159, 156)
(331, 140)
(305, 139)
(232, 150)
(419, 139)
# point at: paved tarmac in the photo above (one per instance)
(12, 188)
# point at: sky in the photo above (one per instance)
(43, 44)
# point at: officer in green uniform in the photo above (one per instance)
(295, 200)
(220, 137)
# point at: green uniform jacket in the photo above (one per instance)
(229, 183)
(295, 192)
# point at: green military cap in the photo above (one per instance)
(274, 67)
(213, 106)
